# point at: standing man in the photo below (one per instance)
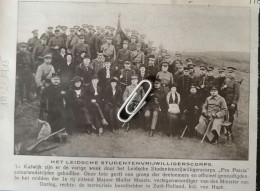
(90, 40)
(56, 43)
(161, 58)
(41, 49)
(151, 69)
(143, 43)
(105, 74)
(192, 70)
(98, 63)
(99, 40)
(200, 82)
(137, 57)
(32, 42)
(48, 34)
(152, 54)
(221, 82)
(44, 73)
(165, 77)
(232, 88)
(72, 39)
(77, 48)
(109, 49)
(64, 33)
(210, 80)
(132, 44)
(123, 55)
(24, 73)
(125, 75)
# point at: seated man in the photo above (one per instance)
(214, 111)
(138, 97)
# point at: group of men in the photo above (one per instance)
(84, 77)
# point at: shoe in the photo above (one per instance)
(151, 133)
(104, 122)
(89, 132)
(214, 142)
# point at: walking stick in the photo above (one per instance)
(184, 131)
(206, 130)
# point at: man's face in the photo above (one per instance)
(107, 64)
(94, 81)
(180, 69)
(203, 72)
(47, 60)
(23, 48)
(222, 74)
(138, 48)
(134, 81)
(164, 68)
(125, 45)
(231, 74)
(142, 69)
(109, 41)
(69, 58)
(173, 89)
(35, 34)
(55, 81)
(186, 72)
(163, 54)
(81, 40)
(151, 62)
(178, 57)
(100, 57)
(49, 30)
(214, 92)
(177, 64)
(193, 90)
(210, 73)
(157, 85)
(57, 34)
(44, 41)
(127, 66)
(78, 84)
(82, 32)
(132, 39)
(113, 84)
(192, 70)
(86, 62)
(63, 51)
(82, 54)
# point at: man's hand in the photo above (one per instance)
(62, 92)
(202, 86)
(224, 87)
(233, 106)
(214, 116)
(56, 47)
(93, 101)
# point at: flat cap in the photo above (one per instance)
(55, 75)
(213, 88)
(49, 27)
(231, 69)
(164, 50)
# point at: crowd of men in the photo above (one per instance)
(84, 77)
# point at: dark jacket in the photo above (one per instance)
(113, 100)
(67, 72)
(85, 73)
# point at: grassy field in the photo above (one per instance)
(136, 143)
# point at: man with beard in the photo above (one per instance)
(41, 49)
(54, 104)
(125, 75)
(153, 107)
(81, 46)
(32, 42)
(85, 71)
(214, 110)
(98, 63)
(123, 55)
(24, 71)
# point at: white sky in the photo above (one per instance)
(179, 28)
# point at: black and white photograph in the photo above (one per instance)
(126, 80)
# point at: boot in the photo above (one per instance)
(151, 133)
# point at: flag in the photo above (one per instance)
(120, 36)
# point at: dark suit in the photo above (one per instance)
(85, 73)
(103, 80)
(67, 72)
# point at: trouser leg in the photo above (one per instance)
(154, 120)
